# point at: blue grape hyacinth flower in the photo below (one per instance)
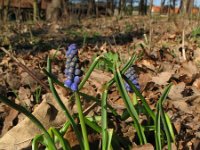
(132, 76)
(72, 68)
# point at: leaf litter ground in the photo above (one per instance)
(160, 64)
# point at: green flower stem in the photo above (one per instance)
(21, 109)
(93, 65)
(132, 111)
(104, 119)
(62, 106)
(81, 118)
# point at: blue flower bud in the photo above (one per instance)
(77, 72)
(77, 79)
(68, 83)
(131, 75)
(72, 47)
(74, 52)
(74, 87)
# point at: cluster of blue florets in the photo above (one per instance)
(132, 76)
(72, 68)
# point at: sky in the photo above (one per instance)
(157, 2)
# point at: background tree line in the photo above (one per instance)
(56, 9)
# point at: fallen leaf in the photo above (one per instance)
(13, 80)
(173, 147)
(196, 142)
(175, 92)
(148, 63)
(162, 78)
(99, 78)
(196, 83)
(8, 122)
(143, 79)
(24, 96)
(188, 68)
(143, 147)
(181, 105)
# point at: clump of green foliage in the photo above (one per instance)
(196, 32)
(158, 122)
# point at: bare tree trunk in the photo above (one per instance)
(143, 7)
(112, 6)
(123, 7)
(1, 10)
(150, 7)
(162, 6)
(7, 5)
(119, 6)
(97, 9)
(91, 6)
(174, 6)
(190, 4)
(54, 10)
(35, 10)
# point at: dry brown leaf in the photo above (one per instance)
(182, 105)
(173, 147)
(197, 56)
(8, 122)
(188, 68)
(196, 83)
(196, 142)
(148, 64)
(13, 80)
(162, 78)
(24, 95)
(172, 36)
(175, 92)
(99, 78)
(26, 79)
(143, 147)
(177, 125)
(143, 79)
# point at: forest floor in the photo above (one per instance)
(159, 40)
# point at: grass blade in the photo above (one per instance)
(104, 119)
(163, 118)
(169, 124)
(129, 106)
(110, 134)
(158, 128)
(87, 75)
(63, 142)
(36, 141)
(125, 68)
(144, 102)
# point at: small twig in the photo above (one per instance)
(89, 108)
(183, 44)
(26, 69)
